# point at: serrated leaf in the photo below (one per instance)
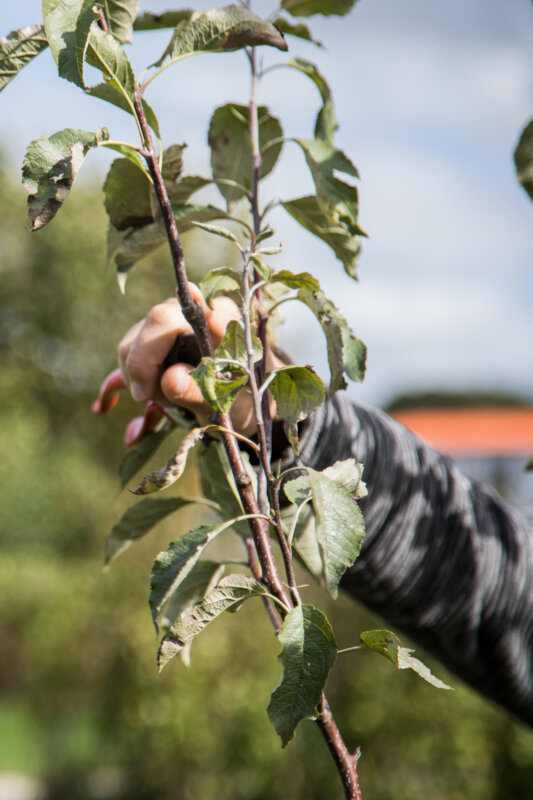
(305, 543)
(68, 25)
(174, 468)
(222, 29)
(50, 168)
(340, 527)
(298, 391)
(219, 392)
(139, 455)
(233, 345)
(523, 159)
(18, 48)
(308, 213)
(120, 16)
(203, 577)
(110, 93)
(107, 55)
(297, 29)
(337, 199)
(348, 474)
(296, 280)
(172, 566)
(217, 230)
(137, 521)
(346, 353)
(388, 644)
(309, 652)
(126, 248)
(221, 281)
(231, 147)
(218, 484)
(261, 266)
(186, 186)
(326, 121)
(230, 591)
(307, 8)
(127, 195)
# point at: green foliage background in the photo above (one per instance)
(81, 704)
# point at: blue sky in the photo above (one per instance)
(431, 98)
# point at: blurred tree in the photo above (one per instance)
(81, 704)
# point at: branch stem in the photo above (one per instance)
(195, 316)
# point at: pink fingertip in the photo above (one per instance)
(108, 395)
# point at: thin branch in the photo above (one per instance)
(195, 316)
(346, 762)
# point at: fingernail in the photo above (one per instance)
(138, 392)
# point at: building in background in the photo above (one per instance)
(490, 437)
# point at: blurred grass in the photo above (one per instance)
(81, 704)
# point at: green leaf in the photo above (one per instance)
(218, 484)
(346, 353)
(304, 541)
(269, 251)
(50, 168)
(348, 474)
(388, 644)
(523, 159)
(126, 248)
(172, 566)
(18, 48)
(326, 121)
(111, 94)
(139, 455)
(309, 214)
(296, 280)
(131, 153)
(185, 186)
(221, 281)
(68, 27)
(340, 527)
(307, 8)
(127, 195)
(297, 29)
(219, 392)
(337, 199)
(308, 654)
(217, 230)
(200, 580)
(261, 266)
(107, 55)
(233, 345)
(173, 470)
(298, 391)
(222, 29)
(120, 16)
(231, 591)
(231, 147)
(168, 19)
(137, 521)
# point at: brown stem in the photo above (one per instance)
(346, 762)
(195, 316)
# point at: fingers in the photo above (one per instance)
(179, 388)
(143, 349)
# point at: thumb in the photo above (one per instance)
(178, 387)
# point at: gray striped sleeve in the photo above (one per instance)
(445, 559)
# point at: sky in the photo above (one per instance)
(431, 99)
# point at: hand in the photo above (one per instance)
(145, 346)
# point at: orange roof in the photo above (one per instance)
(496, 431)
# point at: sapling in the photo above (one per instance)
(281, 512)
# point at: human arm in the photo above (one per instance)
(445, 559)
